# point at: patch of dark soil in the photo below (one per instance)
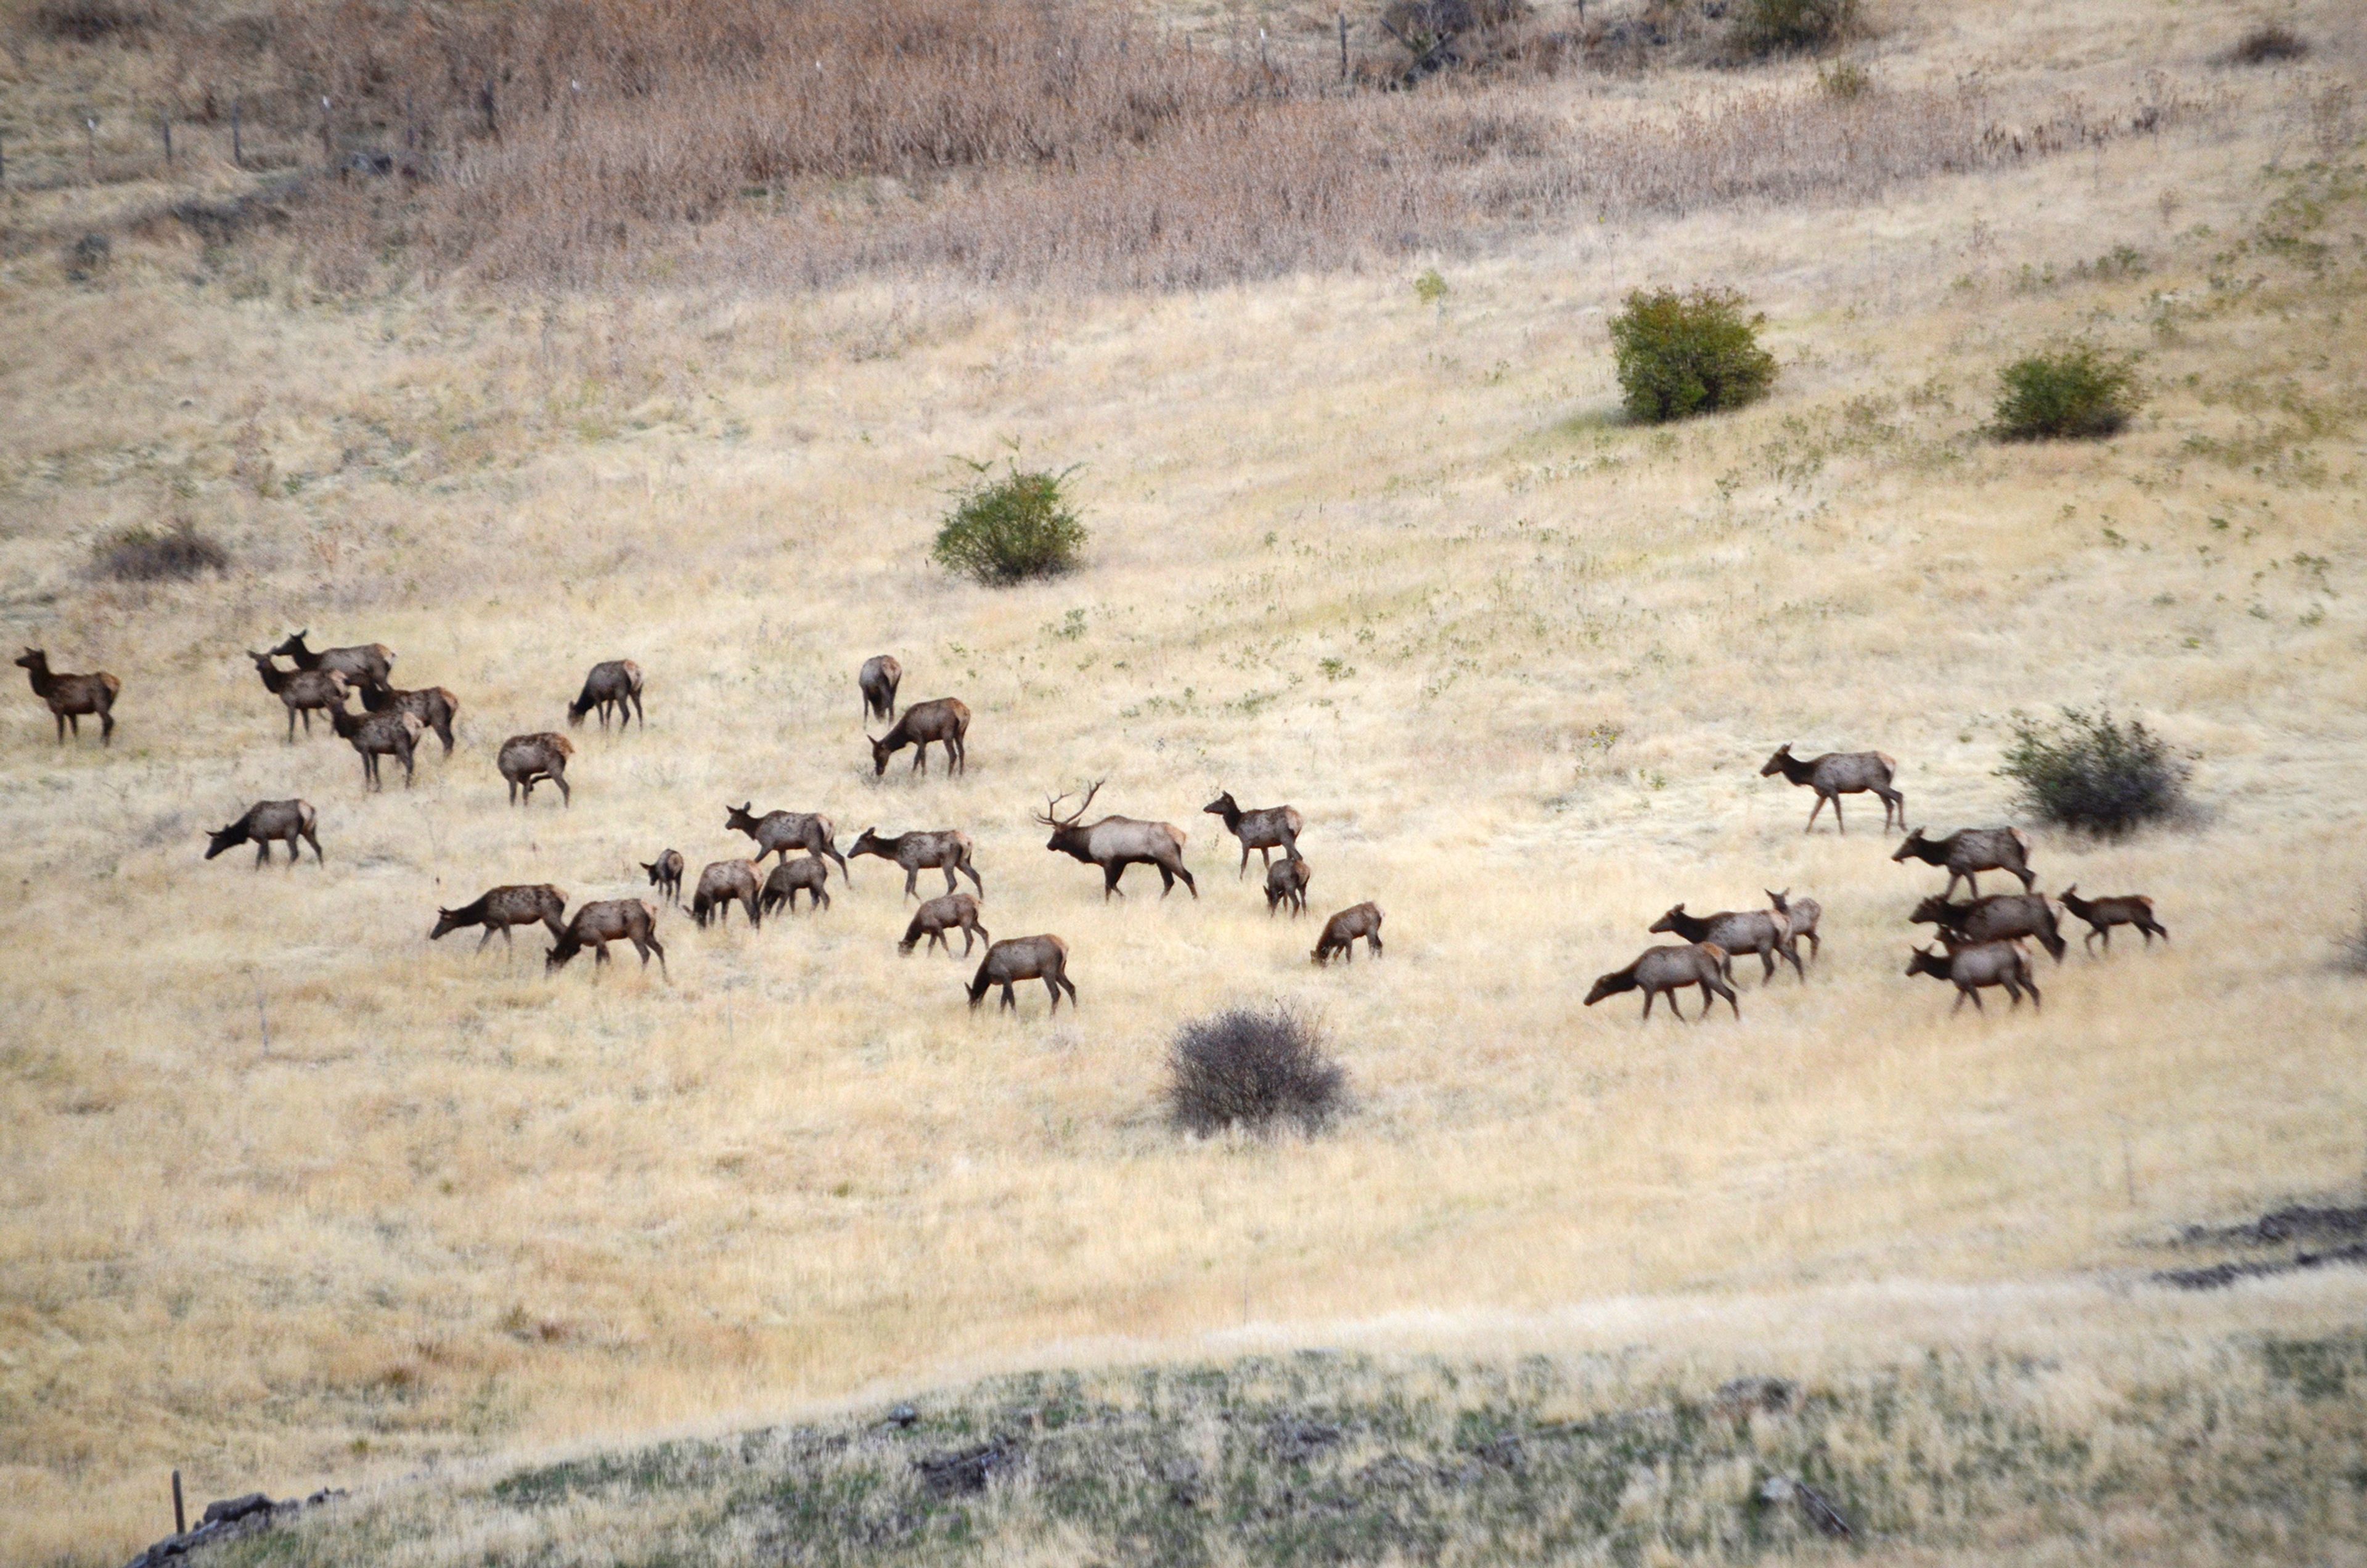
(2279, 1227)
(956, 1473)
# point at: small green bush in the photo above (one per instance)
(2095, 772)
(1008, 528)
(2079, 393)
(1688, 354)
(145, 554)
(1756, 29)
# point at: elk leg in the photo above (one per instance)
(1110, 875)
(566, 795)
(920, 758)
(2035, 1002)
(1009, 999)
(1837, 823)
(1650, 996)
(1728, 994)
(262, 854)
(488, 936)
(1790, 949)
(1166, 879)
(1052, 984)
(950, 883)
(1813, 812)
(912, 882)
(1190, 885)
(1071, 985)
(971, 872)
(638, 713)
(1374, 941)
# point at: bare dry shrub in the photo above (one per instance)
(2267, 44)
(92, 21)
(1251, 1067)
(150, 555)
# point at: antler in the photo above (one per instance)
(1050, 815)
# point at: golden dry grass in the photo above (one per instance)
(1395, 564)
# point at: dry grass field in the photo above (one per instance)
(290, 1196)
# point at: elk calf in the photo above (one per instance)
(525, 760)
(1836, 773)
(943, 719)
(791, 876)
(2104, 914)
(265, 820)
(615, 683)
(377, 735)
(1973, 967)
(1286, 883)
(364, 664)
(880, 677)
(665, 875)
(1969, 851)
(2000, 917)
(946, 849)
(610, 919)
(1265, 829)
(1738, 931)
(722, 883)
(1341, 931)
(1799, 916)
(71, 696)
(502, 908)
(938, 916)
(1014, 959)
(1116, 843)
(434, 706)
(1671, 970)
(778, 833)
(304, 692)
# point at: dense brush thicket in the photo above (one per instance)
(1007, 529)
(1253, 1068)
(2095, 772)
(152, 555)
(2075, 393)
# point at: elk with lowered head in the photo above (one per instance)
(938, 916)
(502, 907)
(2000, 917)
(1116, 843)
(71, 696)
(1265, 829)
(880, 677)
(778, 833)
(789, 877)
(364, 664)
(433, 705)
(1975, 966)
(1836, 773)
(1668, 970)
(942, 720)
(1738, 931)
(612, 683)
(377, 735)
(527, 759)
(723, 884)
(610, 919)
(1970, 850)
(287, 820)
(1014, 959)
(1341, 931)
(1799, 916)
(2104, 914)
(1286, 883)
(946, 849)
(665, 875)
(304, 692)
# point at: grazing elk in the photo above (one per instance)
(614, 684)
(881, 675)
(305, 691)
(1836, 773)
(1670, 970)
(1969, 851)
(789, 876)
(1341, 931)
(377, 735)
(1799, 916)
(1014, 959)
(1980, 964)
(502, 908)
(938, 916)
(946, 849)
(71, 696)
(1116, 843)
(1737, 933)
(525, 760)
(1265, 829)
(611, 920)
(433, 705)
(722, 883)
(1286, 883)
(944, 719)
(288, 820)
(665, 875)
(778, 833)
(364, 664)
(2000, 917)
(2104, 914)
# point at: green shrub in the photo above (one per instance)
(1008, 528)
(1845, 82)
(2095, 772)
(2079, 393)
(1683, 354)
(1756, 29)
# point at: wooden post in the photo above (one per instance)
(1344, 46)
(3, 168)
(165, 129)
(90, 146)
(180, 1519)
(237, 142)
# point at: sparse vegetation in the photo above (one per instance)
(91, 21)
(1845, 81)
(1681, 355)
(1756, 29)
(2075, 393)
(2269, 44)
(140, 554)
(1253, 1068)
(2351, 947)
(1007, 529)
(2095, 772)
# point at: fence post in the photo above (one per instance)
(237, 143)
(1344, 46)
(180, 1519)
(165, 129)
(4, 168)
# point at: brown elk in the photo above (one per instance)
(377, 735)
(433, 705)
(614, 684)
(944, 719)
(525, 760)
(265, 820)
(1014, 959)
(789, 876)
(1998, 917)
(933, 918)
(1799, 916)
(665, 875)
(502, 908)
(778, 833)
(1341, 931)
(1969, 851)
(2104, 914)
(1116, 843)
(611, 920)
(1670, 970)
(946, 849)
(1286, 883)
(722, 883)
(1737, 933)
(364, 664)
(1265, 830)
(881, 675)
(1836, 773)
(71, 696)
(1971, 968)
(304, 692)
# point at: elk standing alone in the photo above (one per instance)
(525, 759)
(2104, 914)
(944, 719)
(1265, 829)
(1044, 958)
(1671, 970)
(71, 696)
(665, 875)
(363, 664)
(778, 833)
(610, 919)
(947, 849)
(502, 908)
(1341, 931)
(1835, 774)
(617, 683)
(265, 820)
(938, 916)
(881, 675)
(1116, 843)
(1969, 851)
(303, 691)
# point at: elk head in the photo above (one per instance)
(868, 842)
(1915, 848)
(1223, 806)
(1934, 910)
(1775, 763)
(293, 646)
(740, 818)
(221, 838)
(1668, 922)
(1923, 961)
(1067, 835)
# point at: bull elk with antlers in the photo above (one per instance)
(1116, 843)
